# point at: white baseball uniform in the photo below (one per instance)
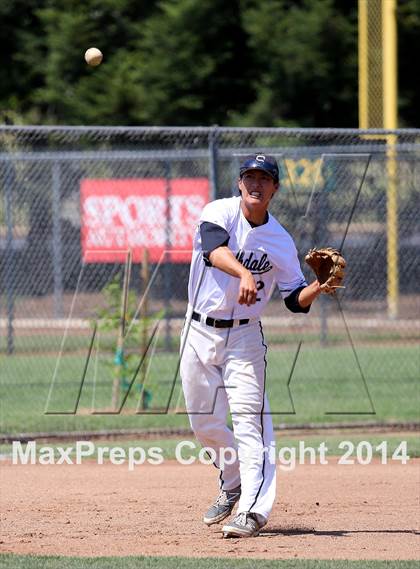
(224, 368)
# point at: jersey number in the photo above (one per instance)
(260, 285)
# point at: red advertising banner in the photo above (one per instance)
(133, 214)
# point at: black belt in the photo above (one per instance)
(218, 323)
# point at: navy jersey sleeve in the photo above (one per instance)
(212, 237)
(292, 303)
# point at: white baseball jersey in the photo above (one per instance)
(267, 250)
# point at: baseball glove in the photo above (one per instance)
(328, 265)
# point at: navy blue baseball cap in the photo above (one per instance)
(260, 162)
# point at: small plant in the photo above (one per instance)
(127, 336)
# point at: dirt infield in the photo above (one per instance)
(325, 512)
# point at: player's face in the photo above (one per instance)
(257, 188)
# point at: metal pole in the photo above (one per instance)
(144, 322)
(213, 161)
(392, 228)
(56, 241)
(9, 255)
(319, 237)
(389, 63)
(168, 259)
(363, 63)
(324, 322)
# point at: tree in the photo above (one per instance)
(193, 62)
(195, 66)
(408, 21)
(17, 21)
(306, 71)
(63, 88)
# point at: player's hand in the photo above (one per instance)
(247, 289)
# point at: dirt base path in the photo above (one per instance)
(330, 512)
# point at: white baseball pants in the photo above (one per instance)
(224, 369)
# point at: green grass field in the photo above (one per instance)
(43, 562)
(52, 341)
(327, 384)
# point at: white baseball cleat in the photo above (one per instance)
(223, 506)
(245, 524)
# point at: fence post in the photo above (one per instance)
(9, 255)
(320, 235)
(168, 258)
(144, 315)
(213, 162)
(392, 227)
(56, 241)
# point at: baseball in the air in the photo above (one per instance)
(93, 56)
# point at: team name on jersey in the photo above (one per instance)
(253, 264)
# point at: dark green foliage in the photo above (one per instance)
(192, 62)
(306, 60)
(124, 359)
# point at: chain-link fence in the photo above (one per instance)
(73, 201)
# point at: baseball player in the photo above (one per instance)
(240, 253)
